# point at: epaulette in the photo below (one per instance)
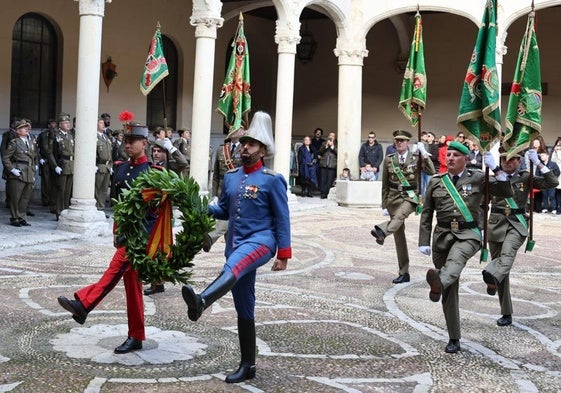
(117, 163)
(269, 172)
(391, 154)
(233, 170)
(439, 174)
(158, 167)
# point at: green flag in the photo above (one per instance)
(523, 117)
(414, 87)
(235, 98)
(479, 113)
(156, 67)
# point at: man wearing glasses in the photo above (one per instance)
(371, 153)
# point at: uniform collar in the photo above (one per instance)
(139, 161)
(253, 168)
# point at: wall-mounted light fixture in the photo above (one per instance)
(306, 49)
(108, 71)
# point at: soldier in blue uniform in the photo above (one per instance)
(254, 200)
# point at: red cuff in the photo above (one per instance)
(284, 253)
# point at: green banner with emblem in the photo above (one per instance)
(523, 116)
(479, 113)
(413, 95)
(155, 68)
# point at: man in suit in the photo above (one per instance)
(400, 196)
(104, 165)
(508, 226)
(19, 161)
(456, 197)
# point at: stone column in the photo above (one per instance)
(83, 216)
(349, 118)
(287, 37)
(206, 19)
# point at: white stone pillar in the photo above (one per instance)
(287, 38)
(205, 33)
(349, 117)
(83, 216)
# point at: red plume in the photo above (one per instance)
(126, 116)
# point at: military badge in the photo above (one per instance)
(250, 192)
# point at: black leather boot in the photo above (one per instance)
(246, 335)
(198, 303)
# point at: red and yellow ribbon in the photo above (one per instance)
(161, 237)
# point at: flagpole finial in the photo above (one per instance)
(418, 9)
(532, 5)
(158, 26)
(241, 17)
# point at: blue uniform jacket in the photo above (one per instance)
(255, 202)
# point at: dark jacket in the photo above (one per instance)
(372, 155)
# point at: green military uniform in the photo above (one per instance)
(61, 156)
(104, 164)
(225, 161)
(46, 172)
(506, 233)
(455, 240)
(19, 160)
(401, 200)
(184, 147)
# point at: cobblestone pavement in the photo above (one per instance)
(333, 322)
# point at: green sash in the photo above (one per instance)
(458, 200)
(410, 193)
(512, 204)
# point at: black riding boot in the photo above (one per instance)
(304, 186)
(198, 303)
(246, 334)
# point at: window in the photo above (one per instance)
(154, 102)
(34, 69)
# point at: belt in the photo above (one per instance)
(22, 162)
(101, 162)
(507, 211)
(457, 225)
(69, 158)
(401, 187)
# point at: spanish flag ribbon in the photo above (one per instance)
(161, 237)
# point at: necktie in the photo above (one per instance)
(232, 148)
(455, 179)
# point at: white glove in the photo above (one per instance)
(36, 168)
(96, 169)
(500, 176)
(422, 151)
(58, 170)
(42, 161)
(111, 171)
(214, 201)
(425, 250)
(169, 146)
(489, 160)
(533, 157)
(16, 172)
(385, 212)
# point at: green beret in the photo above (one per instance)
(459, 147)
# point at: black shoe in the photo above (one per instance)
(195, 306)
(24, 223)
(491, 282)
(157, 288)
(309, 195)
(402, 278)
(453, 346)
(15, 223)
(245, 371)
(130, 344)
(75, 307)
(378, 234)
(323, 197)
(207, 243)
(30, 214)
(505, 320)
(433, 279)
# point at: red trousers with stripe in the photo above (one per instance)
(119, 267)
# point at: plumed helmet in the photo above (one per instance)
(261, 130)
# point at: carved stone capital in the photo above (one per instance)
(92, 7)
(287, 35)
(206, 27)
(351, 56)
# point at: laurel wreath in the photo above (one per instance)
(130, 213)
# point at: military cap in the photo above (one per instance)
(402, 134)
(21, 123)
(136, 130)
(63, 117)
(233, 131)
(160, 143)
(458, 147)
(105, 115)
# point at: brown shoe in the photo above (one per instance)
(433, 279)
(491, 282)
